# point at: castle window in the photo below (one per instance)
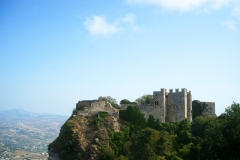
(157, 102)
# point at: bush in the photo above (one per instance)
(134, 116)
(103, 114)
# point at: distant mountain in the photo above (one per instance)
(19, 114)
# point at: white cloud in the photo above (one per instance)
(185, 5)
(230, 23)
(130, 19)
(97, 25)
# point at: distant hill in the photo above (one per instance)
(27, 132)
(18, 114)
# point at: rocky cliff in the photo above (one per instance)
(82, 137)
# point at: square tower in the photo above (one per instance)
(176, 105)
(159, 103)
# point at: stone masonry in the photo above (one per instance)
(210, 108)
(168, 107)
(95, 106)
(172, 106)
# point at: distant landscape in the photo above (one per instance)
(26, 135)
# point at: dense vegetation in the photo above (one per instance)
(126, 101)
(207, 137)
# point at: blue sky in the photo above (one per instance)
(55, 53)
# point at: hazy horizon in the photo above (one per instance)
(55, 53)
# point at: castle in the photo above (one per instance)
(166, 106)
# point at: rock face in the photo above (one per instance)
(81, 137)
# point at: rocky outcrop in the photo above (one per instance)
(81, 137)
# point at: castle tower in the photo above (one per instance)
(189, 106)
(159, 102)
(176, 105)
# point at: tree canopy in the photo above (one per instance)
(134, 116)
(126, 101)
(145, 99)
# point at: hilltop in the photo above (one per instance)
(104, 136)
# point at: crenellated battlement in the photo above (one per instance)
(163, 90)
(173, 106)
(183, 90)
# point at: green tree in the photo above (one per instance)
(145, 99)
(134, 116)
(170, 127)
(125, 101)
(220, 137)
(230, 127)
(184, 132)
(199, 124)
(152, 123)
(144, 145)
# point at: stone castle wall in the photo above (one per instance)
(146, 110)
(189, 106)
(210, 108)
(149, 110)
(168, 107)
(99, 107)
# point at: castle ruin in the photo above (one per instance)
(166, 106)
(173, 106)
(95, 106)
